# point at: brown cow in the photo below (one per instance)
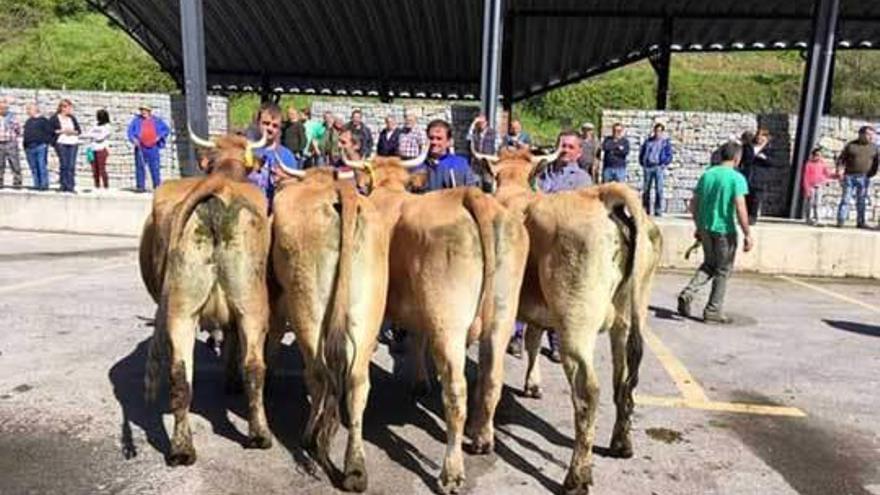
(330, 257)
(457, 259)
(592, 257)
(203, 258)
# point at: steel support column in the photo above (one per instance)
(194, 75)
(489, 81)
(507, 69)
(661, 62)
(813, 93)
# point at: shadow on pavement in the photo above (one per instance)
(850, 326)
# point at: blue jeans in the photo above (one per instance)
(67, 167)
(614, 174)
(151, 157)
(653, 177)
(37, 161)
(860, 183)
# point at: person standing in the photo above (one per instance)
(364, 134)
(66, 131)
(278, 160)
(444, 168)
(293, 133)
(517, 137)
(10, 131)
(816, 174)
(589, 151)
(147, 133)
(856, 165)
(481, 136)
(756, 166)
(330, 148)
(565, 174)
(389, 138)
(615, 149)
(99, 134)
(718, 205)
(38, 136)
(412, 138)
(315, 130)
(654, 156)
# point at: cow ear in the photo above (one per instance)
(417, 181)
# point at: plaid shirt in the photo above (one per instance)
(10, 130)
(411, 143)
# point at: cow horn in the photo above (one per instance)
(538, 160)
(252, 145)
(415, 162)
(358, 164)
(491, 159)
(199, 141)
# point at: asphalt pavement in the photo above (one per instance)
(783, 401)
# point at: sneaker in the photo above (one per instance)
(684, 306)
(715, 318)
(515, 347)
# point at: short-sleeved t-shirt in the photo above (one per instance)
(717, 189)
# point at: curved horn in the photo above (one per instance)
(538, 160)
(358, 164)
(296, 173)
(252, 145)
(199, 141)
(415, 162)
(492, 159)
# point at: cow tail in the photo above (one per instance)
(338, 338)
(206, 188)
(640, 267)
(475, 202)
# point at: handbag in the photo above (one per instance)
(90, 155)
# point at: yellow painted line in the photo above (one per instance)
(731, 407)
(831, 293)
(65, 276)
(684, 381)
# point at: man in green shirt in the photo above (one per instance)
(718, 205)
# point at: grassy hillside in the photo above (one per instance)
(61, 43)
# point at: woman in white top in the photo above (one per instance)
(100, 135)
(66, 142)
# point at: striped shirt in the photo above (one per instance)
(411, 142)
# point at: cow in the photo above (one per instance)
(457, 259)
(203, 255)
(330, 260)
(592, 257)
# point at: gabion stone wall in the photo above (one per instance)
(122, 107)
(460, 116)
(695, 135)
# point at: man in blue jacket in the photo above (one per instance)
(147, 134)
(444, 169)
(654, 156)
(615, 149)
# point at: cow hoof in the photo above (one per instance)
(259, 442)
(621, 448)
(183, 456)
(451, 483)
(533, 392)
(577, 485)
(355, 480)
(483, 447)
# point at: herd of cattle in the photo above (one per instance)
(455, 267)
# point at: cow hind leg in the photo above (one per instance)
(421, 386)
(357, 391)
(182, 334)
(449, 356)
(491, 381)
(626, 351)
(578, 345)
(533, 336)
(252, 339)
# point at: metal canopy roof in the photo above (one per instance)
(431, 48)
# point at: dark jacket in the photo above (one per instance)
(615, 152)
(56, 126)
(756, 167)
(293, 137)
(366, 137)
(859, 158)
(37, 131)
(388, 142)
